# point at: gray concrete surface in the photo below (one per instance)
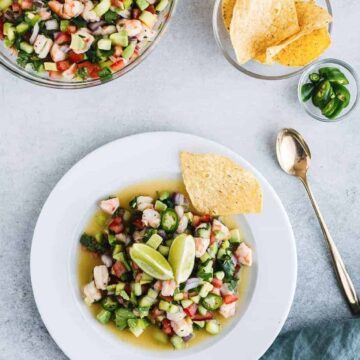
(185, 85)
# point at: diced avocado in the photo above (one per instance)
(119, 286)
(220, 275)
(137, 326)
(148, 18)
(152, 293)
(77, 42)
(137, 289)
(104, 316)
(205, 289)
(4, 4)
(102, 7)
(120, 38)
(64, 24)
(24, 46)
(225, 244)
(22, 28)
(205, 257)
(200, 324)
(212, 327)
(146, 301)
(111, 288)
(142, 4)
(202, 310)
(177, 342)
(6, 28)
(162, 5)
(124, 295)
(164, 195)
(235, 236)
(164, 250)
(178, 297)
(128, 51)
(160, 206)
(122, 315)
(8, 43)
(142, 311)
(104, 44)
(109, 304)
(173, 309)
(186, 303)
(50, 66)
(127, 4)
(164, 305)
(154, 241)
(213, 249)
(9, 31)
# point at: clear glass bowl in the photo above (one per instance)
(353, 87)
(253, 68)
(8, 61)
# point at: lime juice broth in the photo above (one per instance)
(152, 338)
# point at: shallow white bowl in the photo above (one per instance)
(119, 164)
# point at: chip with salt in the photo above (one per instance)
(218, 186)
(227, 8)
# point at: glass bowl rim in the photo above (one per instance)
(303, 79)
(56, 84)
(217, 9)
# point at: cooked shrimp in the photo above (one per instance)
(176, 316)
(133, 27)
(42, 46)
(183, 224)
(201, 246)
(144, 202)
(70, 72)
(92, 294)
(168, 288)
(101, 277)
(221, 231)
(183, 327)
(244, 254)
(151, 217)
(109, 206)
(57, 53)
(45, 14)
(69, 10)
(87, 38)
(228, 310)
(88, 13)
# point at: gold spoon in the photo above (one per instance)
(294, 158)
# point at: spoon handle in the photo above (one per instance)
(340, 269)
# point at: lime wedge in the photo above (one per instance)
(151, 262)
(182, 257)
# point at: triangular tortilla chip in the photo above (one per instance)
(259, 24)
(218, 186)
(227, 12)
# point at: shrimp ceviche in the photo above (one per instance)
(78, 39)
(164, 266)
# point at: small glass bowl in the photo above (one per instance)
(253, 68)
(353, 87)
(8, 61)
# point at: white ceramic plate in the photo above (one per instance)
(119, 164)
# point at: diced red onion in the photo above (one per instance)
(51, 25)
(187, 338)
(192, 283)
(95, 25)
(35, 33)
(162, 233)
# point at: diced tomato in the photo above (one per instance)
(135, 13)
(92, 69)
(167, 298)
(72, 29)
(117, 3)
(62, 65)
(15, 7)
(118, 65)
(138, 224)
(156, 312)
(205, 218)
(55, 74)
(196, 221)
(191, 310)
(212, 239)
(1, 30)
(116, 225)
(166, 327)
(151, 9)
(230, 298)
(26, 4)
(198, 317)
(62, 38)
(217, 283)
(75, 58)
(118, 268)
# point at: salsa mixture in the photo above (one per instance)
(78, 39)
(164, 266)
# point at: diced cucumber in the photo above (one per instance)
(169, 242)
(152, 293)
(212, 327)
(50, 66)
(102, 7)
(117, 249)
(112, 239)
(221, 253)
(178, 297)
(164, 250)
(205, 289)
(127, 4)
(124, 295)
(177, 342)
(133, 298)
(220, 275)
(142, 311)
(104, 316)
(109, 304)
(9, 31)
(213, 249)
(137, 289)
(195, 299)
(164, 305)
(22, 28)
(77, 42)
(186, 303)
(202, 310)
(205, 257)
(119, 287)
(162, 5)
(200, 324)
(120, 38)
(104, 44)
(148, 18)
(220, 236)
(24, 46)
(235, 236)
(122, 315)
(64, 24)
(142, 4)
(160, 206)
(154, 241)
(31, 18)
(4, 4)
(173, 309)
(146, 301)
(128, 51)
(111, 288)
(137, 326)
(225, 244)
(124, 261)
(204, 230)
(164, 195)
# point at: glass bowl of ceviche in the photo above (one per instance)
(79, 43)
